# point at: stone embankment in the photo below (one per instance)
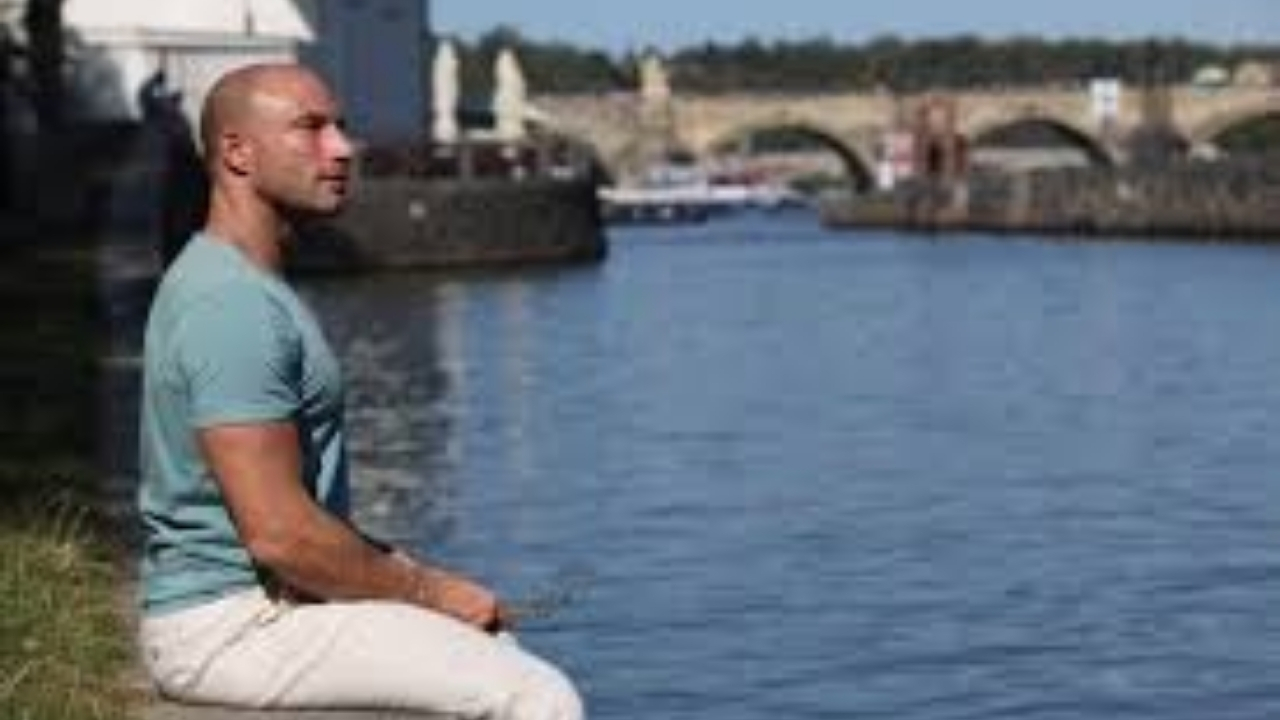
(412, 223)
(1239, 200)
(411, 209)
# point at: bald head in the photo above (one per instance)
(273, 139)
(235, 98)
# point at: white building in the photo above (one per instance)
(370, 50)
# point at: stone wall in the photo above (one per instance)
(415, 222)
(1239, 199)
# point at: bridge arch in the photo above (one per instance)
(1204, 130)
(1026, 128)
(1211, 133)
(856, 164)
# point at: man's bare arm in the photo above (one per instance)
(259, 469)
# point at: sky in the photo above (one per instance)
(666, 24)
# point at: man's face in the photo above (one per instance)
(301, 156)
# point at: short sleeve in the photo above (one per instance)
(240, 358)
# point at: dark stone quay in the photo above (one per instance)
(1238, 200)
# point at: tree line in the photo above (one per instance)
(888, 63)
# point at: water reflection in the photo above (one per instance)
(501, 348)
(418, 360)
(388, 333)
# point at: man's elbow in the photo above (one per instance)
(278, 548)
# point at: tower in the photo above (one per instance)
(370, 51)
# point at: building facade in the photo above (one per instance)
(370, 50)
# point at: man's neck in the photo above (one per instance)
(255, 229)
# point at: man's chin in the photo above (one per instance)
(319, 210)
(333, 204)
(331, 210)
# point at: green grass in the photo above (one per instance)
(64, 652)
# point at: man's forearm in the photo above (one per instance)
(334, 561)
(327, 559)
(310, 550)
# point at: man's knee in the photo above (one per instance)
(546, 696)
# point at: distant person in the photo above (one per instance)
(182, 187)
(155, 98)
(256, 588)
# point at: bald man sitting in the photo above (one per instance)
(256, 589)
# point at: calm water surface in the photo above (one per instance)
(776, 472)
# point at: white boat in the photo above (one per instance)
(688, 196)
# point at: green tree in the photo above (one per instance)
(822, 64)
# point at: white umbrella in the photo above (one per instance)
(509, 98)
(444, 85)
(655, 89)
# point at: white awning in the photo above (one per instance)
(283, 19)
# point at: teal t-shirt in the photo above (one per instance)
(226, 343)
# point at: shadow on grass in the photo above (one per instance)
(65, 650)
(48, 369)
(50, 320)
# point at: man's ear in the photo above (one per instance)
(236, 152)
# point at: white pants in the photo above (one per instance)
(253, 651)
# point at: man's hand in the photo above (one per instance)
(469, 602)
(457, 596)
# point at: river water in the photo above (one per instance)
(754, 469)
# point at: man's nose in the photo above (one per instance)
(340, 145)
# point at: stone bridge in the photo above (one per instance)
(626, 131)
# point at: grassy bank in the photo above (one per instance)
(64, 651)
